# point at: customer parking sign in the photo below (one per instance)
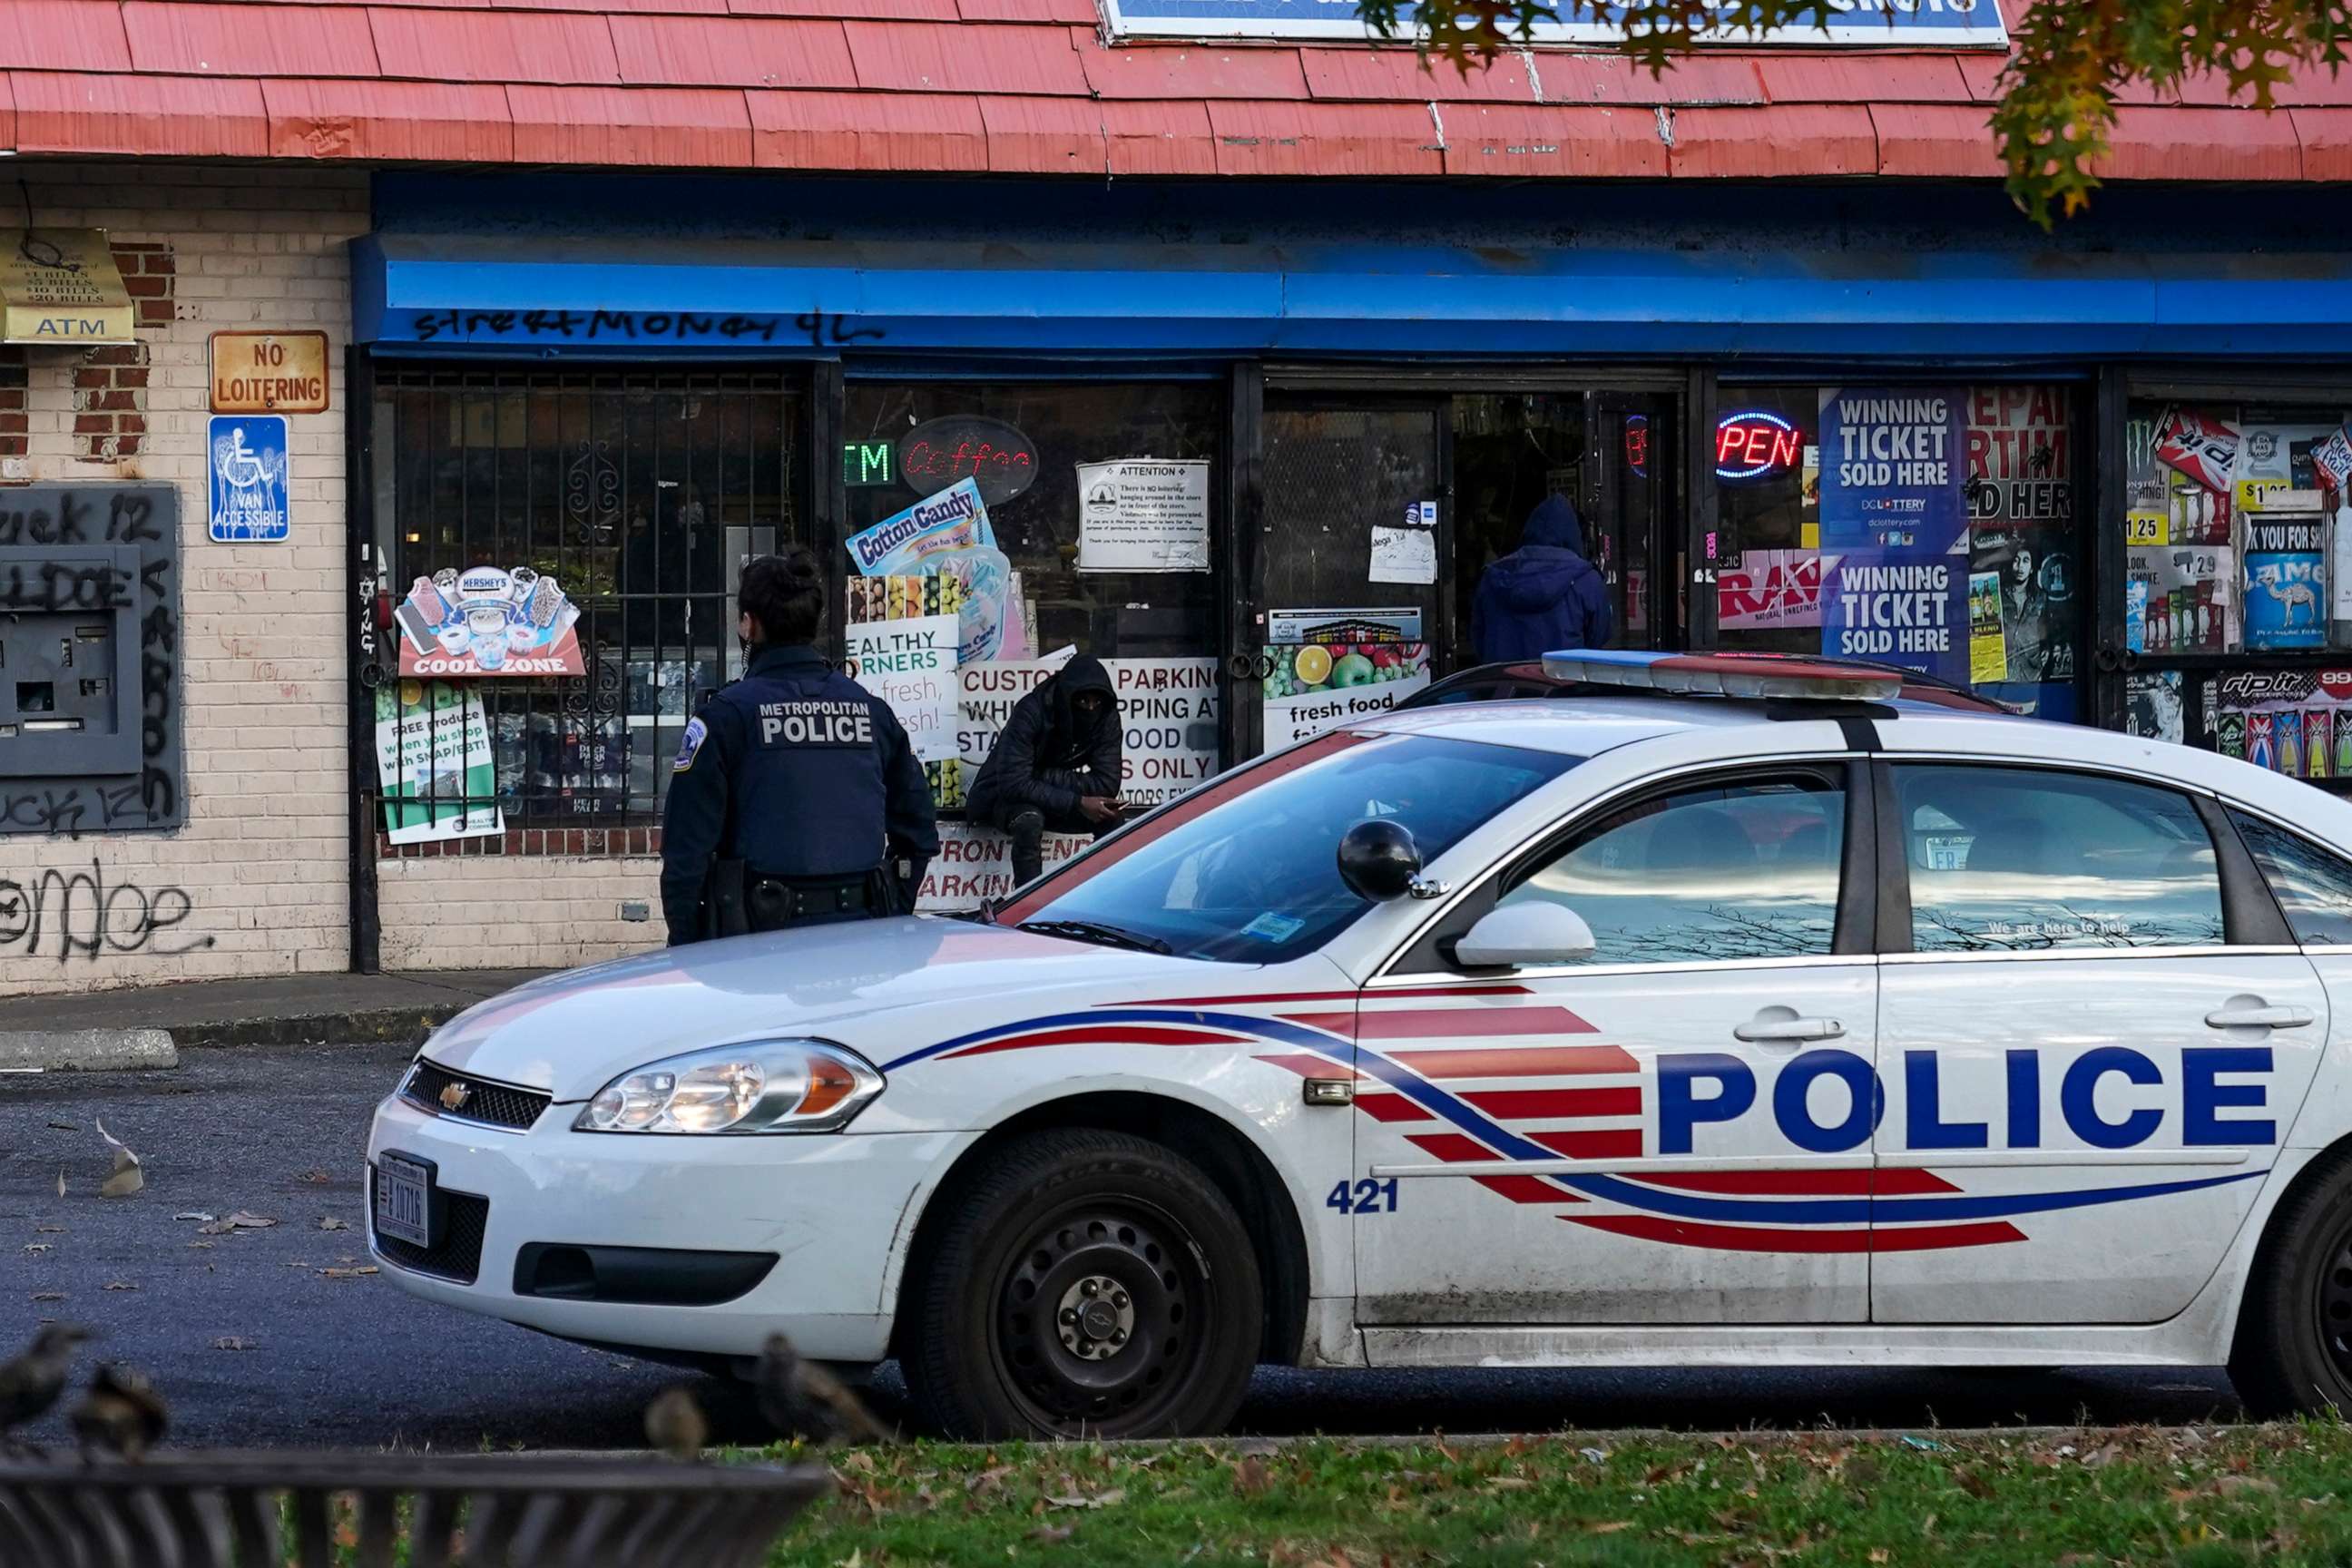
(248, 478)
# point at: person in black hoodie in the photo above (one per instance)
(1544, 596)
(1056, 766)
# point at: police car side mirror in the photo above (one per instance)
(1379, 859)
(1518, 936)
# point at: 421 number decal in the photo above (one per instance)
(1366, 1196)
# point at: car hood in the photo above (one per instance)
(881, 987)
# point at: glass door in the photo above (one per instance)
(1632, 518)
(1356, 561)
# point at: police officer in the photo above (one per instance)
(795, 780)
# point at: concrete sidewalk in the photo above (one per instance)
(337, 1009)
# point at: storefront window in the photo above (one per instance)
(1928, 527)
(2235, 537)
(609, 511)
(1049, 519)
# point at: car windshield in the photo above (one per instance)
(1246, 867)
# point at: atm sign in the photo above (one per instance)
(1754, 444)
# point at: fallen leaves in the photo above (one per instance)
(1110, 1499)
(232, 1342)
(120, 1285)
(195, 1215)
(36, 1248)
(1250, 1478)
(348, 1273)
(48, 1295)
(329, 1222)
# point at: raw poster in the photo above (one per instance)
(1901, 609)
(2286, 582)
(1771, 588)
(1168, 710)
(975, 863)
(1987, 650)
(434, 765)
(1890, 478)
(488, 621)
(2153, 705)
(910, 663)
(1338, 666)
(1140, 514)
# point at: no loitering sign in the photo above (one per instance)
(269, 372)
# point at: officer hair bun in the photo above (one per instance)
(801, 569)
(785, 593)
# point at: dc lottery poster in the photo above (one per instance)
(1894, 511)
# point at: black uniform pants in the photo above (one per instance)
(1027, 826)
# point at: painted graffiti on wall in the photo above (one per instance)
(71, 520)
(75, 914)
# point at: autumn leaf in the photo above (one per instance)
(332, 1222)
(126, 1178)
(120, 1285)
(232, 1343)
(1250, 1478)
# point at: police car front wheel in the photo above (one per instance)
(2293, 1350)
(1085, 1283)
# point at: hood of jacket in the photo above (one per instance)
(1555, 525)
(1070, 736)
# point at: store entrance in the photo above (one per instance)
(1382, 513)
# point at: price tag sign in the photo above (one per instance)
(2255, 495)
(2147, 528)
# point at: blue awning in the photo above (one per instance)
(632, 297)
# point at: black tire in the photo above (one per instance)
(2294, 1346)
(1085, 1283)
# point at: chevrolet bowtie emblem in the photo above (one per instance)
(454, 1096)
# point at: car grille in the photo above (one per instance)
(489, 1104)
(455, 1254)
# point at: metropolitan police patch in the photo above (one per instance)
(688, 744)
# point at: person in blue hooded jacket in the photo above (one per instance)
(1544, 595)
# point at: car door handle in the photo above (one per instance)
(2259, 1019)
(1789, 1030)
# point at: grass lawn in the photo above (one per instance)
(2189, 1496)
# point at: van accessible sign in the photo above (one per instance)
(1858, 24)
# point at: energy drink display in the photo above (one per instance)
(2229, 733)
(2262, 744)
(2293, 721)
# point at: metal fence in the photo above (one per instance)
(636, 494)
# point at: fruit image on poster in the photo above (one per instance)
(1327, 668)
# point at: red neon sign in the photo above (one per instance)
(1751, 445)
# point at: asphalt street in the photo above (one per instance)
(263, 1337)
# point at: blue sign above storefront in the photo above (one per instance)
(1954, 24)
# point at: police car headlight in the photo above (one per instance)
(774, 1086)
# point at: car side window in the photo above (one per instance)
(2312, 885)
(1729, 870)
(2029, 859)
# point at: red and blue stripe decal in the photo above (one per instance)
(1406, 1051)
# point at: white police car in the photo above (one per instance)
(1788, 1024)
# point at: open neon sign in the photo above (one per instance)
(1755, 444)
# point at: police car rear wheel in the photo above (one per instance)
(1087, 1283)
(2293, 1350)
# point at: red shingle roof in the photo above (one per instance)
(978, 85)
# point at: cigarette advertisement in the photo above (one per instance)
(2293, 721)
(1168, 712)
(434, 765)
(488, 621)
(2286, 580)
(1336, 667)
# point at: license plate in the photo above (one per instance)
(404, 1200)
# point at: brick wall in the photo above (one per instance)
(515, 912)
(262, 861)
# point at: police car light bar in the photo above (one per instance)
(1726, 675)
